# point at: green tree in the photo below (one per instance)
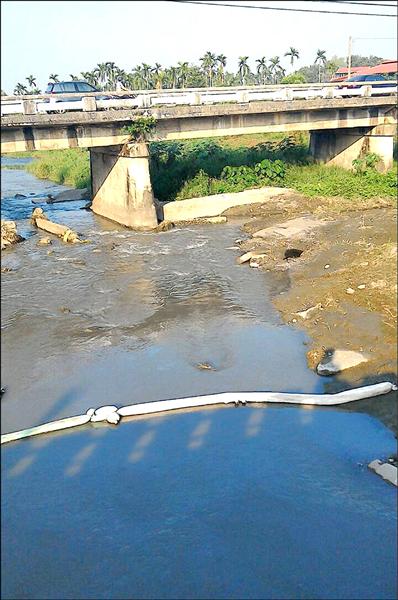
(20, 89)
(158, 76)
(73, 77)
(222, 63)
(293, 53)
(320, 60)
(111, 73)
(331, 67)
(31, 80)
(293, 78)
(276, 69)
(209, 62)
(100, 73)
(183, 71)
(138, 77)
(53, 77)
(146, 75)
(243, 69)
(262, 69)
(91, 77)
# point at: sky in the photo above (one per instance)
(64, 37)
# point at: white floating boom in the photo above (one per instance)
(112, 414)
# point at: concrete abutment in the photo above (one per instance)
(121, 185)
(340, 147)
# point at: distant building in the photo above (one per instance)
(386, 67)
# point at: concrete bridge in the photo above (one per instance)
(341, 128)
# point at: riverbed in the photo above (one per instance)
(219, 503)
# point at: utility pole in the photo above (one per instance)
(349, 55)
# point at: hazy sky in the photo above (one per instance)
(66, 37)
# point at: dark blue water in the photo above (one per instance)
(229, 503)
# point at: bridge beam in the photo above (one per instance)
(121, 185)
(340, 147)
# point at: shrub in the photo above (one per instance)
(294, 78)
(140, 128)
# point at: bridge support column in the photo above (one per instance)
(341, 146)
(121, 185)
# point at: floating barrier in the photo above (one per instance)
(112, 414)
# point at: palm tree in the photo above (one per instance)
(173, 72)
(183, 70)
(293, 53)
(261, 69)
(20, 89)
(121, 77)
(31, 80)
(275, 67)
(160, 80)
(222, 63)
(100, 73)
(111, 72)
(209, 62)
(53, 77)
(138, 77)
(146, 74)
(158, 76)
(73, 77)
(243, 69)
(321, 60)
(90, 77)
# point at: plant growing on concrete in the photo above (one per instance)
(140, 128)
(366, 163)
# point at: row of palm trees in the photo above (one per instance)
(211, 72)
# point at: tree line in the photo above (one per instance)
(210, 72)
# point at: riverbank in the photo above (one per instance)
(182, 170)
(341, 279)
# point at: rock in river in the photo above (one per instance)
(69, 196)
(340, 360)
(9, 234)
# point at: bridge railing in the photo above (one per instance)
(47, 103)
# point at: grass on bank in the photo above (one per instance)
(69, 167)
(187, 169)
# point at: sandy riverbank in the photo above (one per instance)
(346, 272)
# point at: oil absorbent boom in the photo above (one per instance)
(113, 414)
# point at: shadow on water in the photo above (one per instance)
(170, 504)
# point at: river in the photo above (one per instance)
(129, 317)
(216, 504)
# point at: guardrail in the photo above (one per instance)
(88, 102)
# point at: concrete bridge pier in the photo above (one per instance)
(341, 146)
(121, 185)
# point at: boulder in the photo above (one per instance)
(69, 196)
(45, 241)
(339, 361)
(9, 235)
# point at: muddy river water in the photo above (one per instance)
(217, 504)
(131, 317)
